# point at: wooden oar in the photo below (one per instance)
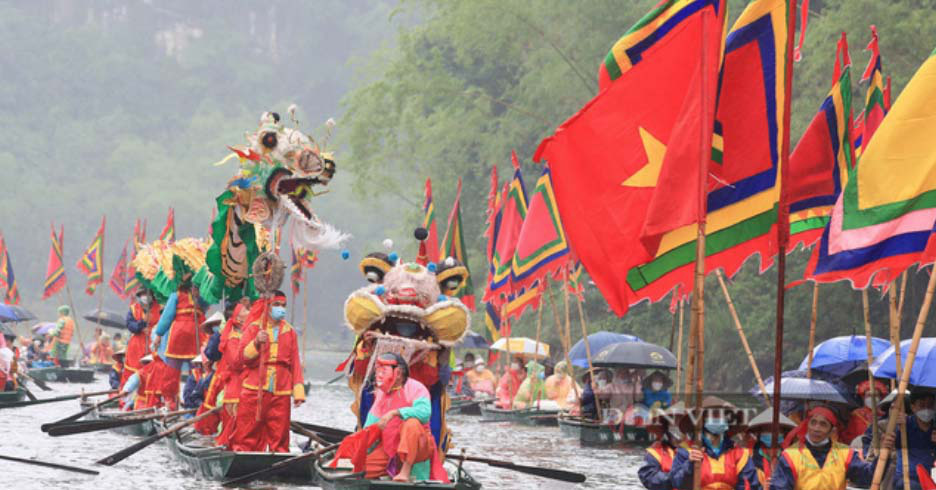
(84, 426)
(312, 435)
(561, 475)
(45, 427)
(276, 467)
(52, 400)
(127, 452)
(40, 383)
(335, 379)
(328, 432)
(49, 465)
(22, 384)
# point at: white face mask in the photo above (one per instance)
(656, 385)
(515, 367)
(925, 415)
(820, 443)
(869, 402)
(144, 300)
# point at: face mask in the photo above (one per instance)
(479, 368)
(820, 443)
(542, 375)
(675, 434)
(716, 451)
(925, 415)
(515, 367)
(144, 300)
(656, 386)
(716, 427)
(767, 439)
(278, 312)
(216, 328)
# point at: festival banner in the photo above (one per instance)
(138, 239)
(542, 248)
(875, 108)
(168, 232)
(118, 280)
(91, 262)
(429, 223)
(7, 277)
(508, 222)
(295, 271)
(55, 269)
(492, 321)
(884, 219)
(820, 163)
(453, 245)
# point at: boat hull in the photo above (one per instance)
(215, 463)
(526, 417)
(465, 407)
(595, 434)
(342, 479)
(12, 396)
(63, 375)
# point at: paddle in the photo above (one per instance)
(561, 475)
(113, 423)
(129, 451)
(45, 427)
(49, 465)
(52, 400)
(277, 467)
(22, 384)
(312, 435)
(335, 379)
(40, 383)
(328, 432)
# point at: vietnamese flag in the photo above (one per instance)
(608, 159)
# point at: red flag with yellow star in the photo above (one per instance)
(612, 162)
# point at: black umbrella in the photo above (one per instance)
(635, 355)
(15, 313)
(106, 318)
(472, 341)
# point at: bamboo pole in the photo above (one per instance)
(566, 334)
(588, 356)
(905, 378)
(744, 342)
(812, 328)
(679, 344)
(689, 374)
(875, 432)
(900, 303)
(539, 327)
(895, 340)
(71, 304)
(306, 326)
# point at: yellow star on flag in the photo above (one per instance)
(648, 174)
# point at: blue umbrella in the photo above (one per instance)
(841, 355)
(596, 341)
(472, 341)
(7, 314)
(808, 389)
(924, 365)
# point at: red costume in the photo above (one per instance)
(185, 338)
(138, 345)
(145, 397)
(230, 376)
(508, 387)
(273, 374)
(209, 425)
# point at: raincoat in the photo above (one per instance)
(559, 387)
(532, 389)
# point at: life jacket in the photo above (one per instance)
(65, 335)
(663, 454)
(807, 473)
(723, 472)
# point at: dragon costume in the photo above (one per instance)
(408, 309)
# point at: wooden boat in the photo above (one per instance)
(63, 375)
(529, 416)
(100, 367)
(209, 462)
(343, 479)
(12, 396)
(592, 433)
(143, 429)
(465, 406)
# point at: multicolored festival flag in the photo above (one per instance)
(663, 73)
(884, 219)
(7, 278)
(820, 163)
(429, 223)
(492, 321)
(521, 300)
(91, 262)
(118, 280)
(55, 269)
(168, 232)
(295, 272)
(875, 106)
(576, 279)
(453, 245)
(508, 221)
(138, 239)
(542, 248)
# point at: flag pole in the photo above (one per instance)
(895, 341)
(783, 231)
(679, 343)
(71, 304)
(897, 407)
(812, 328)
(566, 334)
(305, 313)
(588, 353)
(875, 430)
(744, 342)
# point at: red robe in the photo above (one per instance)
(230, 378)
(185, 338)
(139, 343)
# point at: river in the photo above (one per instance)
(154, 468)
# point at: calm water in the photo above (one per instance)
(154, 468)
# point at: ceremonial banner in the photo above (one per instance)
(875, 108)
(118, 280)
(7, 278)
(820, 163)
(542, 248)
(519, 301)
(429, 223)
(91, 262)
(492, 321)
(453, 245)
(509, 220)
(138, 239)
(492, 221)
(168, 232)
(55, 269)
(884, 219)
(607, 160)
(295, 272)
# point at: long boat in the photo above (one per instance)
(527, 416)
(100, 367)
(64, 375)
(344, 479)
(209, 462)
(144, 429)
(465, 406)
(12, 396)
(593, 433)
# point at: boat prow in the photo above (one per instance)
(345, 479)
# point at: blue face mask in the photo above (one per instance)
(278, 312)
(541, 375)
(767, 439)
(716, 427)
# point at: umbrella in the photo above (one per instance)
(42, 328)
(596, 342)
(521, 346)
(808, 389)
(635, 355)
(924, 365)
(106, 318)
(6, 330)
(840, 355)
(14, 313)
(472, 341)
